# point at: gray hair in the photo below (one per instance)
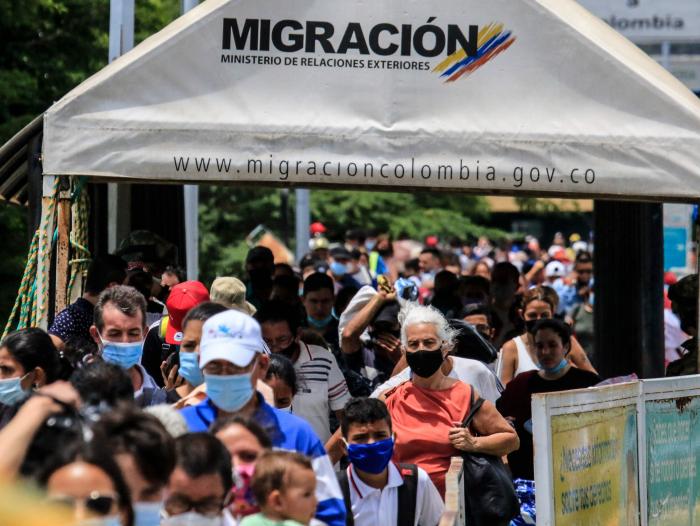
(127, 299)
(171, 418)
(414, 314)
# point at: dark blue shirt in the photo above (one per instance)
(75, 320)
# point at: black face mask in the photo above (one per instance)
(425, 363)
(289, 351)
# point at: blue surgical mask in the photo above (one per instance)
(11, 391)
(338, 269)
(189, 368)
(371, 458)
(319, 324)
(125, 355)
(147, 513)
(555, 370)
(229, 392)
(287, 409)
(370, 244)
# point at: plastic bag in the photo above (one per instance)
(525, 490)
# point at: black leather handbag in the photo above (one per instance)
(489, 494)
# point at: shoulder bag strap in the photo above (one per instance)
(474, 406)
(344, 483)
(408, 494)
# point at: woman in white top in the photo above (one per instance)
(518, 355)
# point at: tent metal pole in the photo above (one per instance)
(302, 221)
(186, 5)
(628, 312)
(121, 28)
(191, 202)
(666, 54)
(121, 40)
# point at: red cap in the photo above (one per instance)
(431, 241)
(561, 255)
(182, 298)
(670, 278)
(317, 228)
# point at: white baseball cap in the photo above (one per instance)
(232, 336)
(555, 269)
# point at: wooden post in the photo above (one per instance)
(63, 244)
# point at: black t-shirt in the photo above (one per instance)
(515, 402)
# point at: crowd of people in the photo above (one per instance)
(331, 393)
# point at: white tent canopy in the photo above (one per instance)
(504, 96)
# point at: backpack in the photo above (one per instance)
(408, 493)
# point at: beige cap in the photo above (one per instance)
(230, 292)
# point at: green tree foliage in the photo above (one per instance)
(49, 47)
(13, 227)
(415, 215)
(228, 214)
(226, 217)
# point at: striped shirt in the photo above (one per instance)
(321, 388)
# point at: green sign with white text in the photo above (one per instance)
(673, 461)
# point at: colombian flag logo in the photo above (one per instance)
(493, 40)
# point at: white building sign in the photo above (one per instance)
(650, 20)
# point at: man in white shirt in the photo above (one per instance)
(376, 490)
(320, 385)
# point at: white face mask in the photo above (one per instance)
(192, 518)
(287, 409)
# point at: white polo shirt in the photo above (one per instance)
(466, 370)
(320, 387)
(375, 507)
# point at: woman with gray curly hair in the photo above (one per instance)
(427, 412)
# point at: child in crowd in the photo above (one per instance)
(284, 485)
(376, 490)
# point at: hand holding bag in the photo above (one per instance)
(490, 497)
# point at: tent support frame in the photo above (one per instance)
(63, 244)
(628, 313)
